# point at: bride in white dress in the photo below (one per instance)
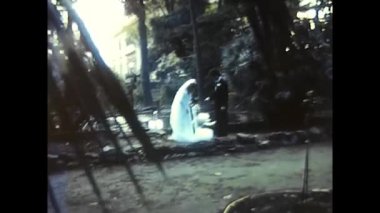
(183, 117)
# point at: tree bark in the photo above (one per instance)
(169, 5)
(220, 4)
(172, 2)
(148, 101)
(197, 54)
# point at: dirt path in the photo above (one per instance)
(198, 184)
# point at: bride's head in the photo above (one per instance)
(192, 90)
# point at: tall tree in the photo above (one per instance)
(220, 4)
(271, 23)
(197, 53)
(169, 4)
(137, 7)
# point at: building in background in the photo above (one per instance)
(127, 59)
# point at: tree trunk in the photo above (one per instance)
(270, 21)
(169, 5)
(69, 25)
(172, 2)
(253, 14)
(197, 55)
(317, 9)
(51, 125)
(148, 101)
(257, 30)
(220, 4)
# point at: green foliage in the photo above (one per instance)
(300, 57)
(132, 7)
(168, 62)
(167, 95)
(172, 72)
(132, 33)
(211, 8)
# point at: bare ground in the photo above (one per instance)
(203, 184)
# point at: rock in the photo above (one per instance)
(266, 208)
(277, 135)
(244, 138)
(227, 197)
(315, 130)
(50, 156)
(108, 148)
(310, 93)
(93, 204)
(264, 143)
(302, 135)
(321, 190)
(91, 155)
(283, 95)
(293, 140)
